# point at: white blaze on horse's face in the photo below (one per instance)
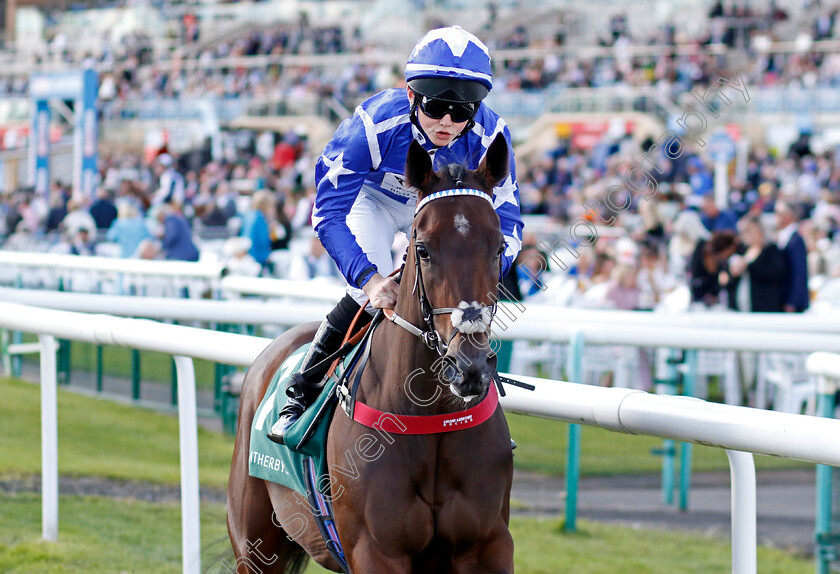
(462, 224)
(472, 317)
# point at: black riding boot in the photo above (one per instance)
(302, 391)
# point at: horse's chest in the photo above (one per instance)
(418, 490)
(464, 501)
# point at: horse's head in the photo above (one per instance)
(455, 252)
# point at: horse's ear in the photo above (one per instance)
(496, 163)
(419, 172)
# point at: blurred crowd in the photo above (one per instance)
(767, 244)
(246, 212)
(130, 69)
(736, 35)
(681, 247)
(130, 78)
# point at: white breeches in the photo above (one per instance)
(374, 220)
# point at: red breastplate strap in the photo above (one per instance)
(428, 424)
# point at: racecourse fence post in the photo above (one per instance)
(743, 492)
(99, 367)
(686, 448)
(667, 385)
(49, 438)
(575, 375)
(17, 360)
(64, 361)
(173, 387)
(135, 374)
(173, 398)
(188, 439)
(17, 337)
(4, 351)
(668, 452)
(824, 551)
(219, 373)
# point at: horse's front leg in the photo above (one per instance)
(493, 555)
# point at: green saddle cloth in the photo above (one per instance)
(279, 463)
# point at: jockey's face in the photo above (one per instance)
(441, 131)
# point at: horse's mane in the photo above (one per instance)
(457, 172)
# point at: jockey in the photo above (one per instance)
(361, 202)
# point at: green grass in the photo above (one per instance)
(102, 535)
(542, 548)
(93, 431)
(99, 535)
(102, 438)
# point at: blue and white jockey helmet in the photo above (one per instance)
(450, 64)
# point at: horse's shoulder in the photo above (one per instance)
(285, 343)
(277, 351)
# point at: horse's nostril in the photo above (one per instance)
(451, 373)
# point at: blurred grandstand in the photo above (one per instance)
(243, 96)
(212, 114)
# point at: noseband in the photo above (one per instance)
(469, 314)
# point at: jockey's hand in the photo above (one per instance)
(382, 291)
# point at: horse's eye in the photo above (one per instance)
(501, 250)
(422, 252)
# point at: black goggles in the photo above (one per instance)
(436, 109)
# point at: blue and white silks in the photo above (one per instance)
(367, 154)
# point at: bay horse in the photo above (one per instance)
(426, 503)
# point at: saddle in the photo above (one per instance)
(302, 464)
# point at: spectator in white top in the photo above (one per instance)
(237, 260)
(78, 217)
(688, 230)
(22, 239)
(170, 182)
(654, 281)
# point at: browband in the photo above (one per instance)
(451, 193)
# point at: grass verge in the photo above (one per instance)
(102, 438)
(99, 535)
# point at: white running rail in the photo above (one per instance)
(740, 430)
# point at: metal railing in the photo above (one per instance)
(739, 430)
(826, 367)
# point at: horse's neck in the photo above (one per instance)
(401, 363)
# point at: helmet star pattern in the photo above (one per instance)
(450, 53)
(457, 42)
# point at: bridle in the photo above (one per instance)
(466, 318)
(469, 314)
